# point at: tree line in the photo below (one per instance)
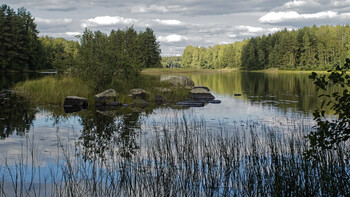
(308, 48)
(122, 51)
(219, 56)
(20, 48)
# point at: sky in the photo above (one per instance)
(180, 23)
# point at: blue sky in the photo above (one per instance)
(183, 22)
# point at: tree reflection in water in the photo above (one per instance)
(103, 135)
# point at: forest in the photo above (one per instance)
(123, 51)
(308, 48)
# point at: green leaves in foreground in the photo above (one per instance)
(334, 128)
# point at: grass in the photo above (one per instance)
(186, 157)
(51, 90)
(184, 70)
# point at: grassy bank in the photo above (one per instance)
(184, 70)
(188, 158)
(53, 90)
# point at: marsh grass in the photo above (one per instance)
(189, 158)
(53, 90)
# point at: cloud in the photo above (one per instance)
(168, 22)
(147, 9)
(172, 38)
(107, 21)
(64, 21)
(289, 16)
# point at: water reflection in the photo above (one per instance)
(16, 115)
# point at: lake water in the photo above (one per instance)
(245, 96)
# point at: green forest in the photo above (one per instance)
(125, 52)
(308, 48)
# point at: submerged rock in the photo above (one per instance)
(106, 97)
(192, 103)
(201, 94)
(71, 101)
(183, 81)
(139, 94)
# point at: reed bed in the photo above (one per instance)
(184, 157)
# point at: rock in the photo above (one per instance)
(204, 87)
(214, 101)
(3, 95)
(139, 94)
(180, 81)
(201, 94)
(71, 101)
(159, 100)
(192, 103)
(108, 96)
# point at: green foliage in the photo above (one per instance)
(104, 60)
(59, 54)
(172, 62)
(309, 48)
(19, 45)
(219, 56)
(330, 132)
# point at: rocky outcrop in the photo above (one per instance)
(139, 94)
(201, 94)
(107, 97)
(180, 81)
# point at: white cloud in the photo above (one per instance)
(278, 17)
(73, 33)
(172, 38)
(151, 8)
(300, 4)
(107, 20)
(168, 22)
(53, 21)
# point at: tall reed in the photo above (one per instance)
(182, 157)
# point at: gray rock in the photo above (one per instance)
(139, 94)
(214, 101)
(204, 87)
(178, 81)
(159, 100)
(71, 101)
(201, 94)
(106, 97)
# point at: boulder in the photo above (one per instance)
(139, 94)
(182, 81)
(159, 100)
(204, 87)
(71, 101)
(201, 94)
(106, 97)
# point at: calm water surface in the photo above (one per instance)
(245, 96)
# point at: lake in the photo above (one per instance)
(258, 102)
